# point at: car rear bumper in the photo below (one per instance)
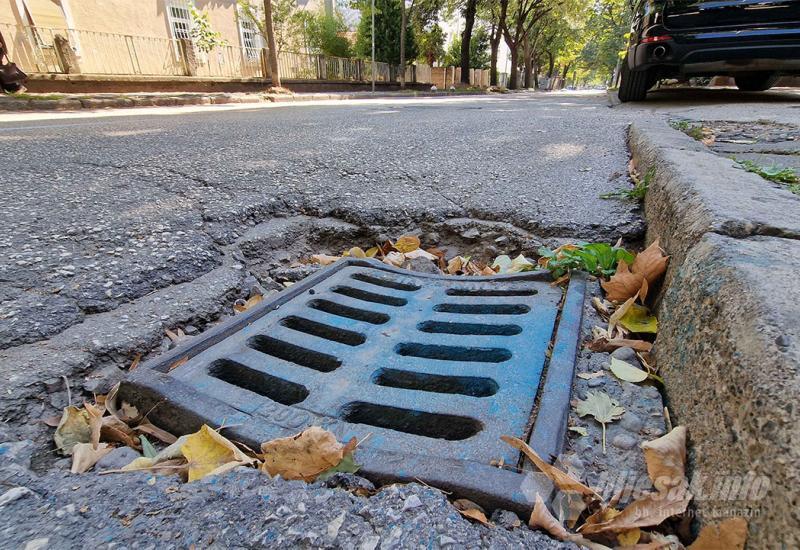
(722, 52)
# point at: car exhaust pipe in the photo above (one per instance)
(659, 52)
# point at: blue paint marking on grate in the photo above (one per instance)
(434, 369)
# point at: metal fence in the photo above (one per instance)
(72, 51)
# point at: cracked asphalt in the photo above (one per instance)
(103, 211)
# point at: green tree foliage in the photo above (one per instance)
(387, 33)
(325, 34)
(478, 50)
(607, 29)
(203, 36)
(431, 44)
(286, 21)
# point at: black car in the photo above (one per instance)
(754, 41)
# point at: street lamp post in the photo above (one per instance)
(372, 12)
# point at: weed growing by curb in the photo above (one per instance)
(776, 174)
(635, 193)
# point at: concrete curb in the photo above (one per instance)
(67, 103)
(729, 343)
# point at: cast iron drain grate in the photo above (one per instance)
(435, 368)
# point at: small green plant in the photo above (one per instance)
(776, 174)
(205, 38)
(635, 193)
(695, 131)
(595, 258)
(46, 97)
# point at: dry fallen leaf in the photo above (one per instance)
(579, 430)
(305, 455)
(135, 363)
(419, 253)
(561, 479)
(407, 243)
(209, 453)
(115, 430)
(625, 371)
(613, 321)
(730, 534)
(357, 252)
(397, 259)
(541, 518)
(623, 284)
(324, 259)
(252, 301)
(647, 511)
(591, 375)
(158, 433)
(650, 263)
(85, 456)
(470, 510)
(602, 408)
(608, 345)
(95, 422)
(666, 459)
(74, 428)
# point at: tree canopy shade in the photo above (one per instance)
(388, 19)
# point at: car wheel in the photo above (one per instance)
(757, 82)
(634, 84)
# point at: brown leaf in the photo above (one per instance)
(562, 480)
(608, 345)
(85, 456)
(304, 455)
(541, 518)
(730, 534)
(618, 314)
(178, 363)
(477, 515)
(95, 422)
(396, 259)
(135, 363)
(647, 511)
(158, 433)
(407, 243)
(255, 299)
(666, 459)
(456, 265)
(651, 263)
(323, 259)
(623, 284)
(115, 430)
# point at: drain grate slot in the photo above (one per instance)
(386, 283)
(453, 353)
(341, 310)
(491, 292)
(322, 330)
(483, 309)
(476, 329)
(294, 354)
(367, 296)
(439, 426)
(436, 383)
(271, 387)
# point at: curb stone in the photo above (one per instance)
(729, 310)
(10, 103)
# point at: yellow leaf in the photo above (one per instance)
(304, 455)
(407, 243)
(625, 371)
(638, 319)
(731, 534)
(629, 538)
(372, 252)
(562, 480)
(85, 456)
(209, 453)
(356, 252)
(623, 284)
(613, 321)
(651, 263)
(323, 259)
(73, 428)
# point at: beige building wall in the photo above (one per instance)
(132, 17)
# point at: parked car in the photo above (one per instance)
(754, 41)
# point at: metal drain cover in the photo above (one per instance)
(435, 368)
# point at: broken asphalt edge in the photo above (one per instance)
(729, 341)
(12, 104)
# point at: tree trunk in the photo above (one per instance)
(404, 24)
(273, 52)
(566, 71)
(536, 76)
(466, 38)
(526, 52)
(551, 64)
(494, 42)
(513, 79)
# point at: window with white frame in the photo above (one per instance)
(180, 19)
(249, 35)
